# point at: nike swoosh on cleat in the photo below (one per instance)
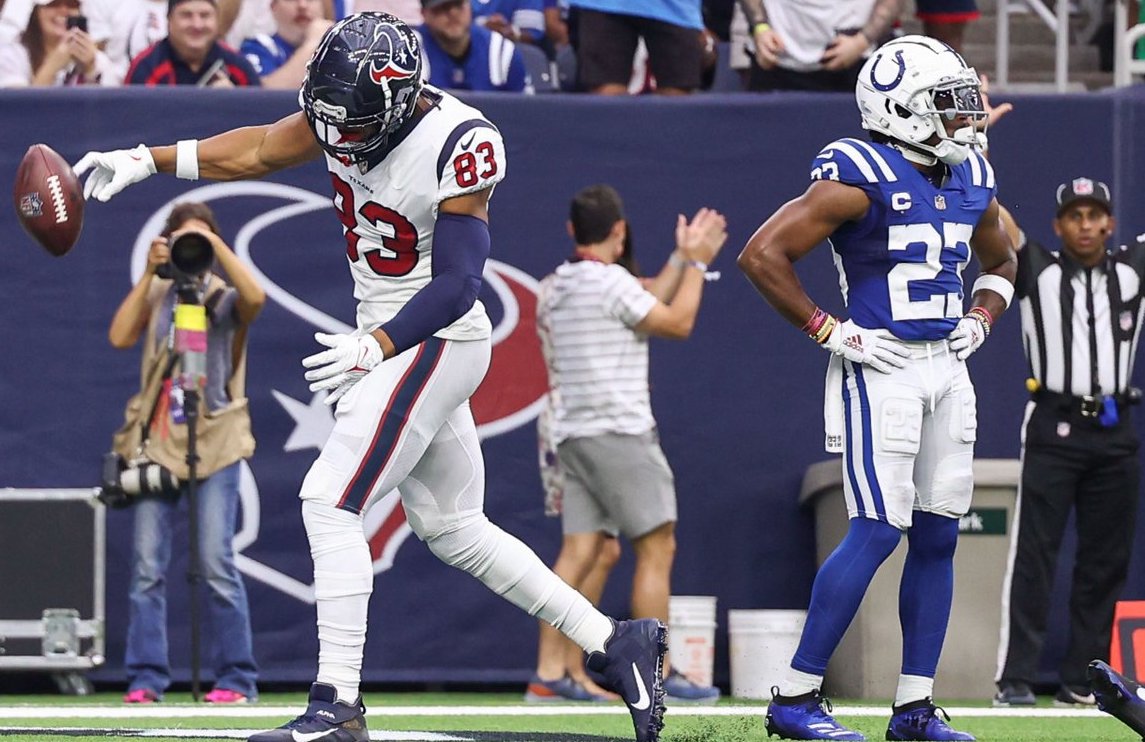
(642, 699)
(1141, 693)
(311, 736)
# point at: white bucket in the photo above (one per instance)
(692, 636)
(761, 645)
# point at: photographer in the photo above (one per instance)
(154, 439)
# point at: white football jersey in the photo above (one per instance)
(388, 213)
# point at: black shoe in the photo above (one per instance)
(1014, 693)
(326, 720)
(1074, 695)
(632, 665)
(1118, 696)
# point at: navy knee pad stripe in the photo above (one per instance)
(867, 442)
(932, 534)
(391, 425)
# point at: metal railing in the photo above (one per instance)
(1057, 21)
(1124, 39)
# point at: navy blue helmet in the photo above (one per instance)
(362, 85)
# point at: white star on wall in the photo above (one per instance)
(312, 422)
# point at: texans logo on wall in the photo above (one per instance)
(510, 396)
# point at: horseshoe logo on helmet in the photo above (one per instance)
(884, 87)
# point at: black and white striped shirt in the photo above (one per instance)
(1080, 325)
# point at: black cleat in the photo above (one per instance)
(326, 719)
(1117, 695)
(1014, 693)
(632, 665)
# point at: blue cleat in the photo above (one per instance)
(632, 664)
(1118, 696)
(326, 719)
(679, 689)
(806, 716)
(922, 720)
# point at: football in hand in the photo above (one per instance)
(48, 199)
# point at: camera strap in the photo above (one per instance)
(171, 359)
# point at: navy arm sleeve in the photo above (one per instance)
(460, 248)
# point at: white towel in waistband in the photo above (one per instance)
(834, 422)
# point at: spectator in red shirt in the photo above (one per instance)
(192, 53)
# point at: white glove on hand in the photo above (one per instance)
(111, 172)
(349, 358)
(878, 349)
(968, 335)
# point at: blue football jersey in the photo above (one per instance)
(900, 266)
(492, 63)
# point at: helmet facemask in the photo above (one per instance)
(960, 97)
(344, 137)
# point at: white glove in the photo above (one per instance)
(968, 335)
(111, 172)
(351, 378)
(878, 349)
(349, 358)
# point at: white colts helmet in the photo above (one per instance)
(908, 87)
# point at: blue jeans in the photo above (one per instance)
(227, 631)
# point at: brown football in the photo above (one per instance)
(48, 199)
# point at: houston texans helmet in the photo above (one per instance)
(909, 86)
(362, 85)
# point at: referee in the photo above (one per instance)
(1081, 315)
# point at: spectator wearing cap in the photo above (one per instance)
(459, 54)
(123, 29)
(1081, 313)
(280, 59)
(50, 49)
(192, 52)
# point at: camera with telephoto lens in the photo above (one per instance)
(191, 255)
(122, 482)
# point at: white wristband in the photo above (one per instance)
(997, 284)
(187, 159)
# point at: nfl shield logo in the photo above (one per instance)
(31, 205)
(1083, 186)
(940, 203)
(1125, 319)
(1063, 430)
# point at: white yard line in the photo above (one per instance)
(171, 711)
(384, 736)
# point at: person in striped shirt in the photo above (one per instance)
(594, 318)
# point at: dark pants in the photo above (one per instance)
(1070, 463)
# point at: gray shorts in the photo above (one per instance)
(616, 483)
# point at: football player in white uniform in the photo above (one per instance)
(903, 213)
(413, 169)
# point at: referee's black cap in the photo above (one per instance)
(1084, 189)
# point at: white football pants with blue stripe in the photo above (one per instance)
(909, 437)
(407, 425)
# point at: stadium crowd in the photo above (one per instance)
(600, 46)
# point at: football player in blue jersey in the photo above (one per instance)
(903, 213)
